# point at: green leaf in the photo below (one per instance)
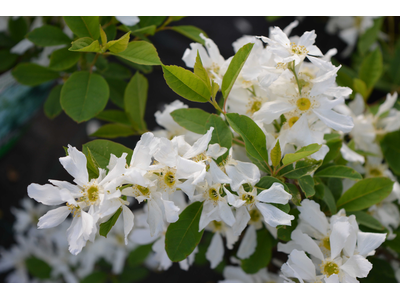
(296, 196)
(300, 154)
(360, 87)
(276, 154)
(382, 272)
(253, 136)
(48, 35)
(369, 37)
(186, 84)
(84, 26)
(339, 172)
(335, 185)
(7, 59)
(367, 220)
(139, 254)
(119, 45)
(117, 71)
(390, 145)
(302, 168)
(234, 69)
(200, 71)
(117, 90)
(114, 116)
(262, 255)
(334, 149)
(106, 226)
(221, 134)
(365, 193)
(38, 268)
(112, 131)
(149, 30)
(183, 235)
(33, 74)
(17, 28)
(193, 119)
(111, 32)
(101, 150)
(135, 98)
(95, 277)
(371, 68)
(394, 70)
(63, 59)
(329, 200)
(52, 106)
(267, 181)
(92, 165)
(85, 45)
(140, 52)
(103, 36)
(151, 20)
(190, 32)
(84, 95)
(306, 184)
(131, 275)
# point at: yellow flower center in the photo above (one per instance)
(93, 193)
(326, 243)
(169, 179)
(217, 226)
(248, 198)
(292, 120)
(303, 103)
(330, 268)
(375, 172)
(144, 190)
(255, 215)
(213, 194)
(298, 49)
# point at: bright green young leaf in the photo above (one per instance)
(113, 130)
(48, 35)
(306, 184)
(117, 71)
(262, 255)
(63, 59)
(302, 168)
(135, 98)
(101, 150)
(190, 32)
(369, 37)
(84, 95)
(186, 84)
(193, 119)
(276, 154)
(151, 20)
(85, 45)
(84, 26)
(300, 154)
(221, 135)
(33, 74)
(119, 45)
(367, 220)
(371, 68)
(390, 145)
(234, 69)
(149, 30)
(114, 116)
(7, 59)
(200, 71)
(214, 90)
(365, 193)
(106, 226)
(360, 87)
(183, 235)
(117, 90)
(52, 106)
(103, 36)
(339, 172)
(140, 52)
(38, 268)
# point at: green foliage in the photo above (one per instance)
(119, 45)
(112, 131)
(38, 268)
(193, 119)
(369, 37)
(339, 172)
(114, 116)
(262, 255)
(84, 26)
(95, 277)
(367, 220)
(390, 145)
(33, 74)
(267, 181)
(360, 87)
(371, 68)
(106, 226)
(334, 149)
(117, 90)
(186, 84)
(52, 106)
(135, 98)
(302, 168)
(84, 95)
(201, 72)
(234, 69)
(85, 45)
(192, 32)
(140, 52)
(183, 236)
(7, 59)
(139, 254)
(382, 272)
(300, 154)
(276, 154)
(365, 193)
(63, 59)
(221, 134)
(17, 28)
(48, 35)
(394, 70)
(92, 165)
(306, 184)
(335, 185)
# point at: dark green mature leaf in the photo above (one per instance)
(294, 191)
(300, 154)
(139, 254)
(112, 131)
(117, 91)
(92, 165)
(17, 28)
(142, 32)
(84, 95)
(33, 74)
(193, 119)
(190, 32)
(63, 59)
(334, 149)
(116, 71)
(95, 277)
(234, 69)
(186, 84)
(84, 26)
(262, 255)
(306, 184)
(183, 235)
(369, 36)
(111, 32)
(133, 274)
(7, 59)
(390, 145)
(114, 116)
(38, 268)
(335, 185)
(221, 135)
(140, 52)
(52, 106)
(329, 200)
(394, 70)
(85, 45)
(367, 220)
(365, 193)
(302, 168)
(382, 272)
(253, 136)
(135, 98)
(339, 172)
(102, 149)
(151, 20)
(371, 68)
(267, 181)
(48, 35)
(106, 226)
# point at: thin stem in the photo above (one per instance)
(93, 62)
(238, 142)
(293, 69)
